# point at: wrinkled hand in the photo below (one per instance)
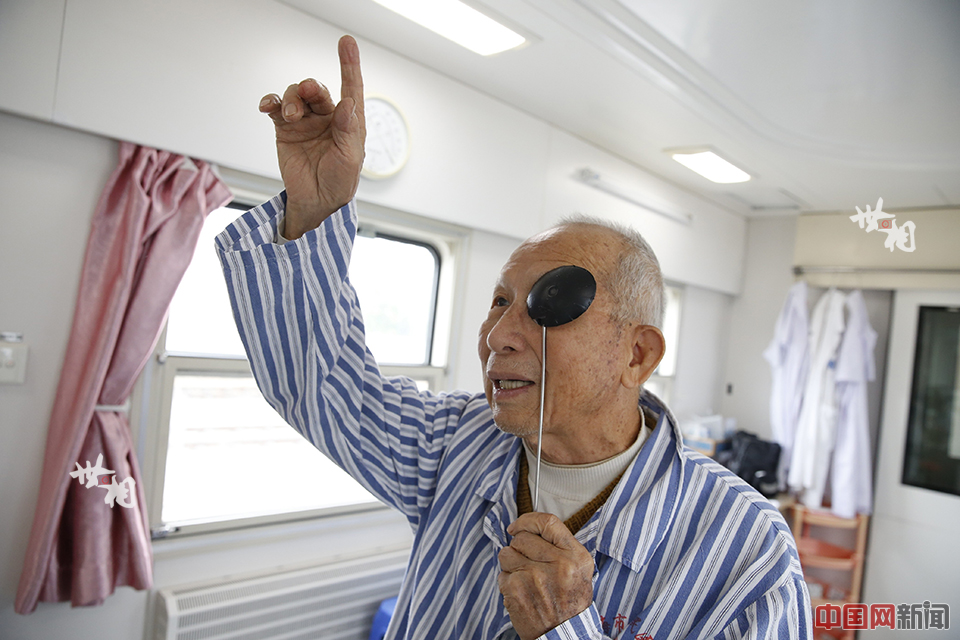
(546, 575)
(319, 143)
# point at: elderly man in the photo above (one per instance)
(637, 537)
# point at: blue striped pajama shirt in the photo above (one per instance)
(683, 548)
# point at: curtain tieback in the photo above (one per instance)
(119, 408)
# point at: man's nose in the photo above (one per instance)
(509, 332)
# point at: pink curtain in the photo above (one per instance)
(144, 231)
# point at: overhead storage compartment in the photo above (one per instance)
(832, 250)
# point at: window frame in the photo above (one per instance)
(371, 230)
(152, 396)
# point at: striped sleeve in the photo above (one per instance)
(779, 614)
(303, 332)
(584, 626)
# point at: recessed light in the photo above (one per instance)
(458, 22)
(710, 166)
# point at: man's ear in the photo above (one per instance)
(648, 347)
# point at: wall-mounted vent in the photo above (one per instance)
(334, 601)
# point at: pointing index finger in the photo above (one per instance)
(351, 81)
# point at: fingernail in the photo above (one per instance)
(266, 102)
(289, 110)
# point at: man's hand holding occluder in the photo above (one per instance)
(546, 575)
(319, 143)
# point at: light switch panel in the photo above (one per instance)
(13, 362)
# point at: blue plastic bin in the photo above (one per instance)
(382, 619)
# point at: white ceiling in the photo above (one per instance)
(829, 103)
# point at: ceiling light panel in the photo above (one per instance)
(711, 166)
(458, 22)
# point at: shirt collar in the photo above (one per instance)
(498, 484)
(640, 511)
(501, 470)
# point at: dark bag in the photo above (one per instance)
(754, 460)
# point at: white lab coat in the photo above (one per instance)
(851, 476)
(788, 355)
(816, 428)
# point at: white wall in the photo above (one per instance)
(707, 253)
(487, 252)
(831, 239)
(29, 80)
(702, 349)
(768, 261)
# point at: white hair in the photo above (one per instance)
(636, 281)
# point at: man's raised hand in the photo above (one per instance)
(319, 143)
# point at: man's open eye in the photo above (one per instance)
(500, 301)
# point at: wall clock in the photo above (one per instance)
(387, 146)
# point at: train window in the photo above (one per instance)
(223, 457)
(661, 382)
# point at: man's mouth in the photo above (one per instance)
(508, 385)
